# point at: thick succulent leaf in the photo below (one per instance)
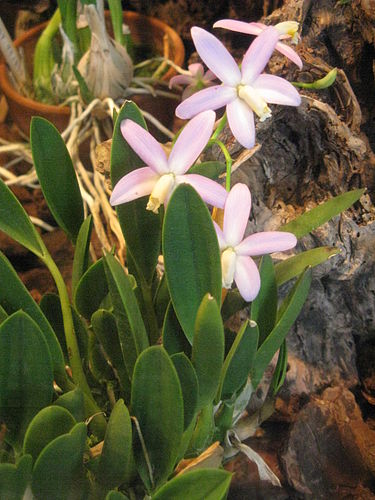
(15, 296)
(113, 466)
(26, 376)
(116, 495)
(99, 367)
(91, 290)
(203, 432)
(294, 266)
(233, 303)
(14, 479)
(290, 309)
(56, 176)
(141, 227)
(81, 254)
(191, 255)
(189, 385)
(157, 404)
(211, 169)
(73, 401)
(210, 484)
(131, 329)
(174, 339)
(264, 307)
(15, 222)
(281, 369)
(48, 424)
(59, 472)
(321, 214)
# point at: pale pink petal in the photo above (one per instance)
(239, 26)
(220, 236)
(258, 54)
(276, 90)
(196, 69)
(138, 183)
(261, 26)
(241, 123)
(216, 57)
(191, 142)
(211, 98)
(289, 53)
(181, 80)
(188, 92)
(266, 242)
(147, 148)
(210, 191)
(247, 278)
(209, 76)
(236, 214)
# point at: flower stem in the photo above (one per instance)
(220, 127)
(228, 159)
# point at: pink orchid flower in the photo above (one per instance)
(244, 91)
(162, 175)
(196, 79)
(236, 252)
(286, 29)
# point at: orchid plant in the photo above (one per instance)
(135, 386)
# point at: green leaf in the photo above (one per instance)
(174, 339)
(208, 349)
(81, 254)
(322, 83)
(291, 307)
(15, 478)
(15, 296)
(141, 227)
(207, 484)
(281, 369)
(113, 466)
(73, 401)
(239, 360)
(26, 377)
(203, 432)
(264, 307)
(56, 176)
(116, 495)
(233, 303)
(58, 472)
(91, 290)
(210, 169)
(319, 215)
(189, 385)
(104, 326)
(48, 424)
(99, 367)
(294, 266)
(86, 95)
(158, 406)
(161, 300)
(191, 255)
(132, 333)
(15, 222)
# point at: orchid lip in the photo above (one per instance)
(254, 100)
(161, 191)
(228, 265)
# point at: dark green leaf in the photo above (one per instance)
(189, 385)
(116, 495)
(294, 266)
(26, 376)
(208, 349)
(174, 339)
(233, 303)
(58, 472)
(264, 307)
(161, 300)
(210, 169)
(141, 227)
(73, 401)
(281, 369)
(191, 255)
(15, 222)
(56, 175)
(317, 216)
(48, 424)
(291, 308)
(99, 367)
(158, 406)
(15, 478)
(91, 290)
(113, 467)
(203, 432)
(81, 253)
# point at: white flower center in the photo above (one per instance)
(288, 28)
(162, 189)
(228, 266)
(255, 101)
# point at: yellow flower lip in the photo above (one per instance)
(288, 28)
(254, 100)
(160, 192)
(228, 266)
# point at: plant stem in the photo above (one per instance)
(228, 160)
(68, 9)
(220, 127)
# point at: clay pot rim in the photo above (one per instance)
(39, 107)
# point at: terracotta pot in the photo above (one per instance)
(146, 31)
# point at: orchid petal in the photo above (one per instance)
(247, 278)
(210, 191)
(216, 56)
(196, 69)
(241, 123)
(191, 142)
(276, 90)
(210, 98)
(266, 242)
(236, 214)
(209, 76)
(181, 80)
(289, 53)
(239, 26)
(258, 54)
(137, 183)
(220, 236)
(147, 148)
